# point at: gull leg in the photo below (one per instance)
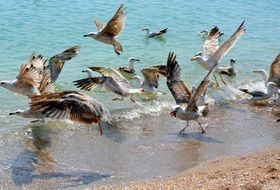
(202, 129)
(217, 84)
(131, 98)
(100, 128)
(183, 130)
(223, 79)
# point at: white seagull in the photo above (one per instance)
(130, 69)
(109, 33)
(213, 53)
(187, 108)
(111, 79)
(274, 75)
(261, 95)
(67, 105)
(154, 34)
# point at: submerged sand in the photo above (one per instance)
(254, 171)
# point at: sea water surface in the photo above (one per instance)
(144, 142)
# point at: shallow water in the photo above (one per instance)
(144, 142)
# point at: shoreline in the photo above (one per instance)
(256, 170)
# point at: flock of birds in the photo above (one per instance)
(37, 77)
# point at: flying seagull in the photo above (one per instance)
(111, 79)
(130, 69)
(188, 108)
(30, 74)
(261, 95)
(213, 53)
(154, 34)
(151, 77)
(109, 33)
(274, 75)
(67, 105)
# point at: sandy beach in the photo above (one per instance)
(253, 171)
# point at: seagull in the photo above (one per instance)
(229, 71)
(213, 53)
(130, 69)
(154, 34)
(111, 79)
(274, 75)
(151, 77)
(261, 95)
(66, 105)
(187, 103)
(31, 73)
(109, 33)
(205, 32)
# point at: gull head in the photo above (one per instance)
(259, 71)
(88, 71)
(204, 31)
(17, 112)
(176, 108)
(6, 84)
(133, 59)
(91, 34)
(233, 61)
(197, 57)
(145, 29)
(137, 79)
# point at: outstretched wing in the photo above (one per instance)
(174, 81)
(116, 24)
(192, 106)
(89, 83)
(99, 25)
(56, 62)
(274, 75)
(227, 45)
(68, 105)
(162, 69)
(211, 43)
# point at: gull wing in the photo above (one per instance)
(31, 72)
(56, 62)
(68, 105)
(211, 43)
(274, 75)
(151, 76)
(162, 69)
(116, 24)
(46, 84)
(192, 106)
(227, 45)
(89, 83)
(99, 25)
(174, 81)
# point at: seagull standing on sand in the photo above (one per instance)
(109, 33)
(67, 105)
(154, 34)
(274, 75)
(261, 95)
(183, 96)
(112, 80)
(130, 69)
(213, 53)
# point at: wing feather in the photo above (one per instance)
(274, 75)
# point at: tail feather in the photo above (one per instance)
(118, 47)
(163, 31)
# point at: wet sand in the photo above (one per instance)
(254, 171)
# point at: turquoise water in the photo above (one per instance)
(49, 27)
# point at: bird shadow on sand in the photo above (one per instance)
(36, 163)
(198, 136)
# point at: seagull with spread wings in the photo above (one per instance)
(188, 108)
(67, 105)
(154, 34)
(30, 74)
(213, 53)
(109, 33)
(274, 75)
(111, 79)
(151, 77)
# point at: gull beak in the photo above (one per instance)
(83, 71)
(173, 114)
(137, 60)
(86, 35)
(11, 113)
(255, 71)
(192, 59)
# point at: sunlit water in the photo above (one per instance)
(144, 142)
